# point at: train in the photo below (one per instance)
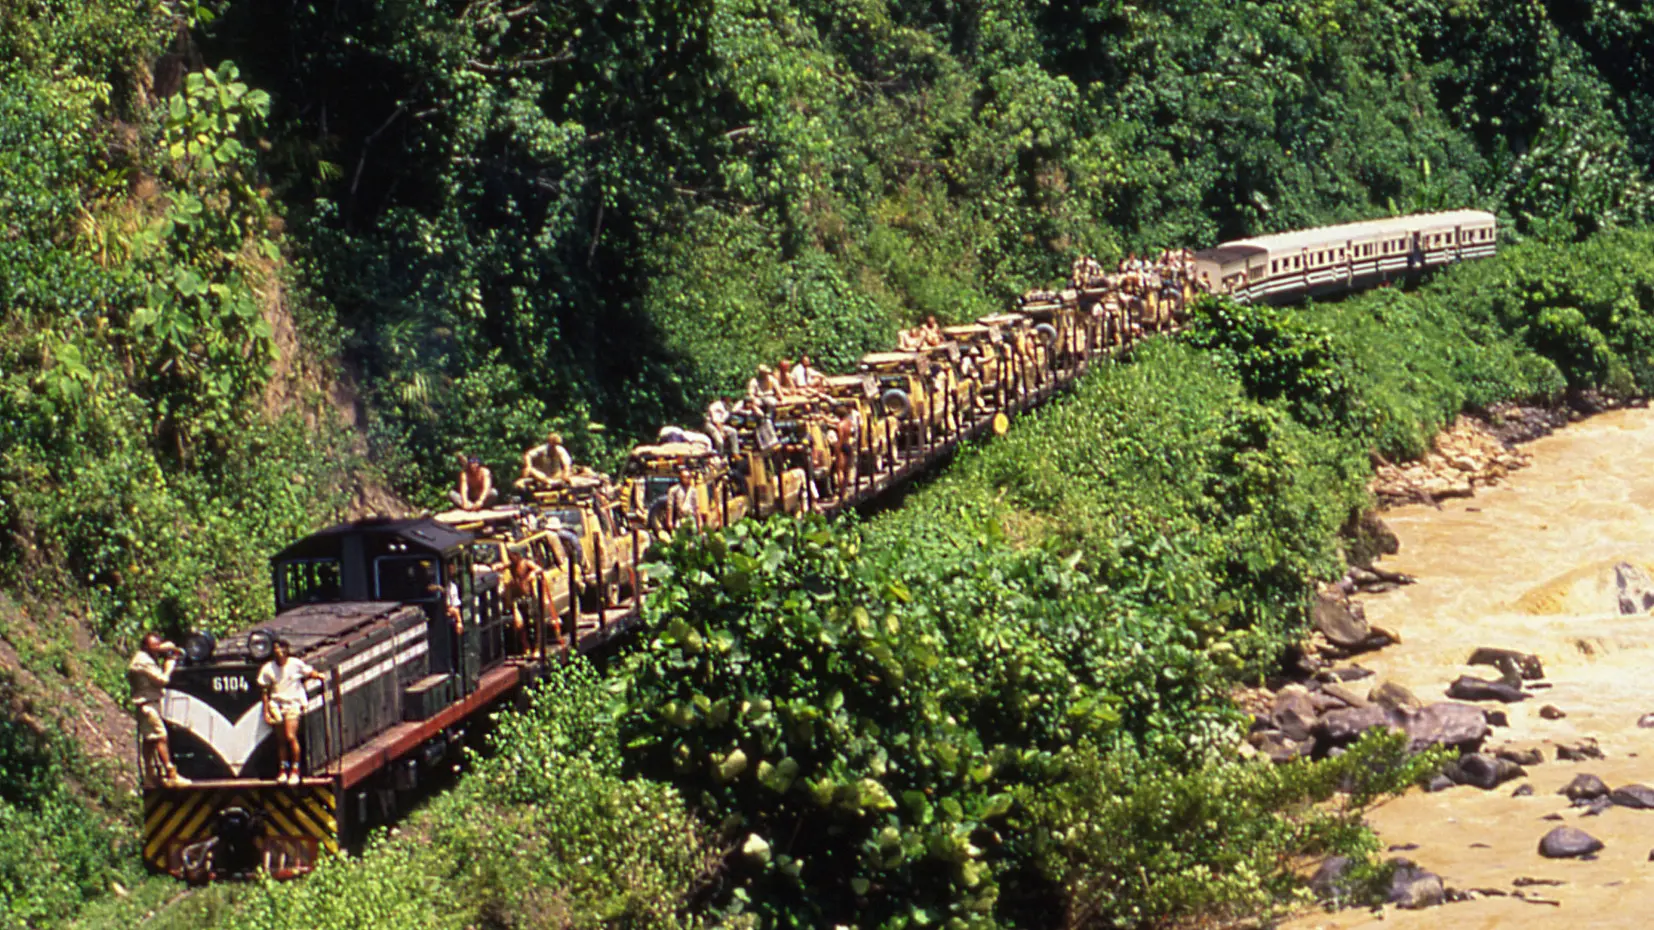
(402, 685)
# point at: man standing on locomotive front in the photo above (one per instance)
(282, 680)
(148, 674)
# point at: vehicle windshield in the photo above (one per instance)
(568, 517)
(655, 488)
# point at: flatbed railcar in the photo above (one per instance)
(366, 602)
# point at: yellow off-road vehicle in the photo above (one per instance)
(905, 396)
(1061, 325)
(652, 470)
(776, 447)
(860, 393)
(1028, 357)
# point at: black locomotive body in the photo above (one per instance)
(367, 605)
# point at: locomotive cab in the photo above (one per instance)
(415, 561)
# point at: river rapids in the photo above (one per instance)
(1531, 565)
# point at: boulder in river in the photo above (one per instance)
(1471, 688)
(1293, 712)
(1344, 696)
(1636, 797)
(1344, 673)
(1552, 712)
(1568, 843)
(1524, 791)
(1586, 748)
(1584, 787)
(1523, 664)
(1394, 696)
(1460, 726)
(1529, 756)
(1343, 727)
(1634, 587)
(1482, 771)
(1413, 888)
(1646, 721)
(1339, 623)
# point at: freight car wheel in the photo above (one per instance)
(1047, 333)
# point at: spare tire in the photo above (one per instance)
(1047, 333)
(897, 404)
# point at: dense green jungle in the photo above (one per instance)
(266, 265)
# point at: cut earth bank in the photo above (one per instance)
(1538, 564)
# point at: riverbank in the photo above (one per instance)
(1528, 565)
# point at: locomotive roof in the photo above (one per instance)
(1303, 238)
(310, 627)
(420, 533)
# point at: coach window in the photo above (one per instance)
(405, 578)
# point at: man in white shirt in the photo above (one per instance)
(803, 376)
(717, 426)
(282, 681)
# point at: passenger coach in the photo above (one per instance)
(1291, 265)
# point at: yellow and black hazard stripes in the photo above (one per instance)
(305, 813)
(176, 817)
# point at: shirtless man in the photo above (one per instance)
(931, 332)
(475, 489)
(844, 450)
(522, 590)
(547, 466)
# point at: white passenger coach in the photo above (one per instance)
(1287, 266)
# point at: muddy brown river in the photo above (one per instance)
(1529, 565)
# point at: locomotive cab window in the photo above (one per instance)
(307, 581)
(405, 578)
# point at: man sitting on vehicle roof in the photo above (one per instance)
(764, 385)
(677, 434)
(804, 376)
(548, 465)
(931, 332)
(717, 426)
(476, 486)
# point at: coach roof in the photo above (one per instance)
(1370, 229)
